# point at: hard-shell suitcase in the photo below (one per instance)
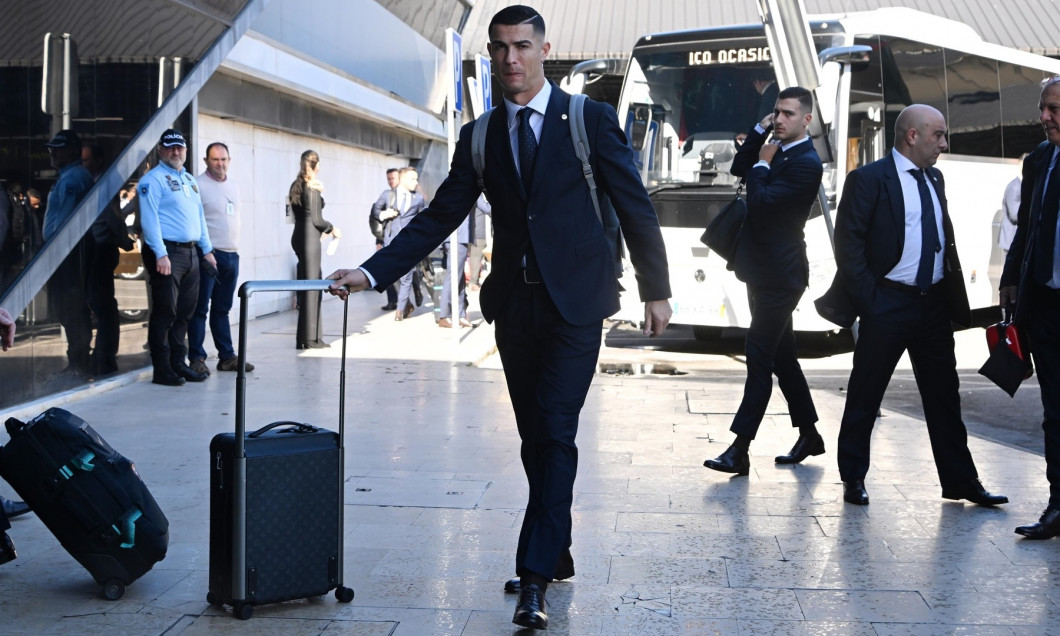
(89, 496)
(276, 497)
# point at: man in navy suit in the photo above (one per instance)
(553, 277)
(1030, 285)
(783, 178)
(898, 270)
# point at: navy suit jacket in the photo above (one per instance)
(1020, 258)
(772, 248)
(869, 238)
(557, 215)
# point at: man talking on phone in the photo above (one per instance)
(782, 178)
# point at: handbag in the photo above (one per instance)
(1008, 365)
(723, 232)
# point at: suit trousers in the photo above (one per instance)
(1044, 318)
(66, 293)
(548, 366)
(173, 300)
(902, 321)
(770, 349)
(445, 311)
(99, 287)
(404, 286)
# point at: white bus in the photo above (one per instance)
(687, 95)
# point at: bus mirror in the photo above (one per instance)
(854, 54)
(641, 122)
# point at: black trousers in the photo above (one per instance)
(66, 293)
(173, 300)
(899, 322)
(548, 366)
(103, 258)
(770, 349)
(1045, 349)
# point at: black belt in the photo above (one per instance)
(187, 244)
(908, 289)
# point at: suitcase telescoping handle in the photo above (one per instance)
(246, 290)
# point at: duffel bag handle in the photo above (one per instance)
(14, 427)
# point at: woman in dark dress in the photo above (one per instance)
(310, 226)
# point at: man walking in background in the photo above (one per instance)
(783, 178)
(898, 271)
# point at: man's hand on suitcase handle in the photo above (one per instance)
(347, 281)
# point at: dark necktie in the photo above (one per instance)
(527, 147)
(1043, 260)
(527, 150)
(929, 233)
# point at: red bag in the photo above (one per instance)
(1007, 333)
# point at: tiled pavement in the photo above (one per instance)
(662, 546)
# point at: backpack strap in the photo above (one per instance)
(580, 138)
(478, 146)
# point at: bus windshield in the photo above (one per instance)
(688, 105)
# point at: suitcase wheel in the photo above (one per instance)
(212, 599)
(113, 590)
(344, 594)
(243, 611)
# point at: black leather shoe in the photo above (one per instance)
(805, 446)
(564, 571)
(167, 377)
(389, 307)
(1046, 528)
(854, 492)
(530, 612)
(7, 549)
(975, 493)
(733, 460)
(189, 374)
(13, 508)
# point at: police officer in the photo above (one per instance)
(173, 222)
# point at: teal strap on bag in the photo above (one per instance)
(128, 528)
(82, 461)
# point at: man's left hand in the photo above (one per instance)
(211, 259)
(657, 315)
(767, 152)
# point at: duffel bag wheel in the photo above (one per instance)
(212, 599)
(113, 590)
(243, 611)
(344, 594)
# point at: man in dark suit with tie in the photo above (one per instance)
(553, 278)
(783, 178)
(898, 270)
(1030, 286)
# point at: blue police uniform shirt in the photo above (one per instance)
(171, 210)
(74, 182)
